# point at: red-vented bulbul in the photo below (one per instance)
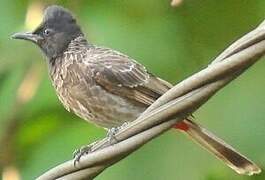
(108, 88)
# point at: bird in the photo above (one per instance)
(108, 88)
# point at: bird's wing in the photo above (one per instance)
(121, 75)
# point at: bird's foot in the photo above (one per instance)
(78, 153)
(111, 134)
(124, 125)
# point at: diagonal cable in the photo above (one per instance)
(179, 102)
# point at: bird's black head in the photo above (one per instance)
(55, 32)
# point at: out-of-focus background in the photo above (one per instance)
(36, 133)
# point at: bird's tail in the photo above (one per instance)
(219, 148)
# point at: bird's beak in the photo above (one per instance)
(27, 36)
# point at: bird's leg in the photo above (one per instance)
(124, 125)
(111, 134)
(113, 131)
(78, 153)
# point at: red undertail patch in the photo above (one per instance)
(182, 126)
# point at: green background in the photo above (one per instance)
(173, 43)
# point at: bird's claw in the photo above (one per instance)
(78, 153)
(111, 134)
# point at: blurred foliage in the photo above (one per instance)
(173, 42)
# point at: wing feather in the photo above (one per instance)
(121, 75)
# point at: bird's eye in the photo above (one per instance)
(47, 32)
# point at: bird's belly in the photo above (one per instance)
(96, 105)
